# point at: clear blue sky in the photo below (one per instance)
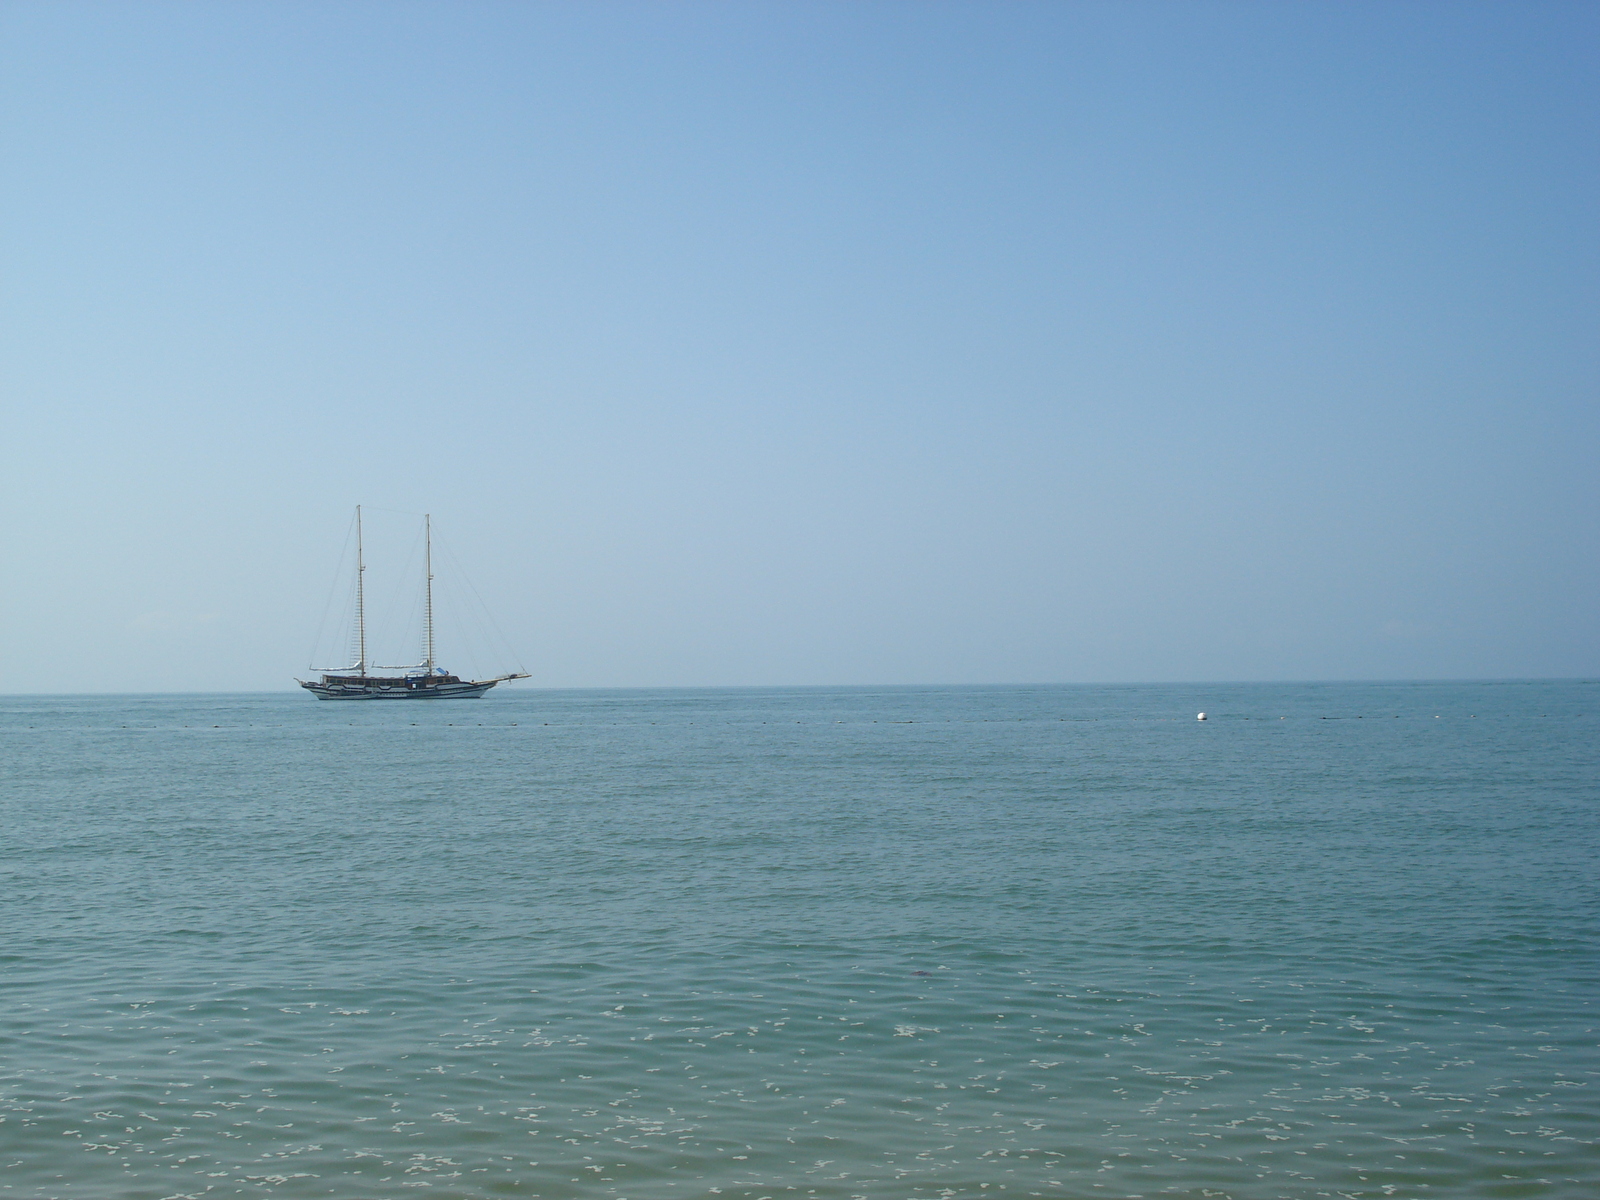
(750, 343)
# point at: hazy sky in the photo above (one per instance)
(750, 343)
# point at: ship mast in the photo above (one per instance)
(361, 601)
(427, 613)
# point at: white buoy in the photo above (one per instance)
(1201, 717)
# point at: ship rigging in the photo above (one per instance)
(420, 681)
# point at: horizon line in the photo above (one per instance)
(679, 687)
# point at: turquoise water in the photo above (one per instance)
(1337, 940)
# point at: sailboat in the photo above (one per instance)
(421, 681)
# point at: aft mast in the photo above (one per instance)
(361, 601)
(427, 612)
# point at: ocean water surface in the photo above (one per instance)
(1337, 940)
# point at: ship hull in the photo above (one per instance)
(462, 690)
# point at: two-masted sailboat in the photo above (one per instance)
(420, 681)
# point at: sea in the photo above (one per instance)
(1336, 940)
